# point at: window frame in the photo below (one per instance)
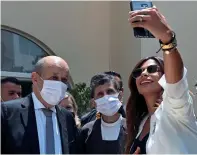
(44, 47)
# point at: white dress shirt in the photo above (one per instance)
(41, 127)
(110, 131)
(173, 126)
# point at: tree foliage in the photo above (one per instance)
(81, 93)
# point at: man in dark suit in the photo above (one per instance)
(36, 124)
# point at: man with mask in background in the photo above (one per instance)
(36, 124)
(106, 135)
(92, 115)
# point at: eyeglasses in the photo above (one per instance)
(150, 69)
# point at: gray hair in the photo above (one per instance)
(39, 66)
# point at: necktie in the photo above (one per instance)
(50, 147)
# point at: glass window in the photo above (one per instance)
(19, 54)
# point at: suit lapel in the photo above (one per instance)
(63, 130)
(28, 120)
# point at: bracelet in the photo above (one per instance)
(172, 43)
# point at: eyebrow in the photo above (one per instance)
(111, 89)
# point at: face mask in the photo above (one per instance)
(53, 91)
(108, 105)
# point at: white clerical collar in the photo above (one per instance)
(111, 124)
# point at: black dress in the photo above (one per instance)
(139, 143)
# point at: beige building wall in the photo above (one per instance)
(125, 50)
(92, 36)
(95, 36)
(76, 31)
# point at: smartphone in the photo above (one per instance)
(139, 5)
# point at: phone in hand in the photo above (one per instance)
(139, 5)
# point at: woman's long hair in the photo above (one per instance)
(136, 107)
(75, 109)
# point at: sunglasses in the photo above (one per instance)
(150, 69)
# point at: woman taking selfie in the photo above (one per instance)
(160, 116)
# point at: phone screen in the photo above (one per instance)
(139, 5)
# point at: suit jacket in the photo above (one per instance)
(19, 130)
(90, 116)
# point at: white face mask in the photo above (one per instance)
(53, 91)
(108, 105)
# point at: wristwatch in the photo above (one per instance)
(172, 43)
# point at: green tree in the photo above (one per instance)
(81, 93)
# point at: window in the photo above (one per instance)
(20, 52)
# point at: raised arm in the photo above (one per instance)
(153, 21)
(174, 81)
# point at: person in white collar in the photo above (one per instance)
(160, 114)
(36, 124)
(107, 134)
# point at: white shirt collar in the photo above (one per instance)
(39, 105)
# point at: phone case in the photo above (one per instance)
(141, 32)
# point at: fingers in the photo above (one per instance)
(154, 6)
(139, 12)
(159, 101)
(139, 20)
(156, 105)
(147, 11)
(137, 151)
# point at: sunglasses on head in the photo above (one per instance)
(150, 69)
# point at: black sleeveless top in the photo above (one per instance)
(141, 144)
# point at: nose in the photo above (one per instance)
(105, 93)
(16, 96)
(144, 72)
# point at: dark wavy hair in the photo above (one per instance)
(136, 107)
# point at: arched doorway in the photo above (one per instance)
(19, 53)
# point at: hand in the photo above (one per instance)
(137, 151)
(153, 21)
(158, 102)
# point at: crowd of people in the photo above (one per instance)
(157, 118)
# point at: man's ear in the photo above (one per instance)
(34, 77)
(120, 96)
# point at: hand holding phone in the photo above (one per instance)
(153, 21)
(139, 5)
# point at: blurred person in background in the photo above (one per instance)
(70, 104)
(10, 89)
